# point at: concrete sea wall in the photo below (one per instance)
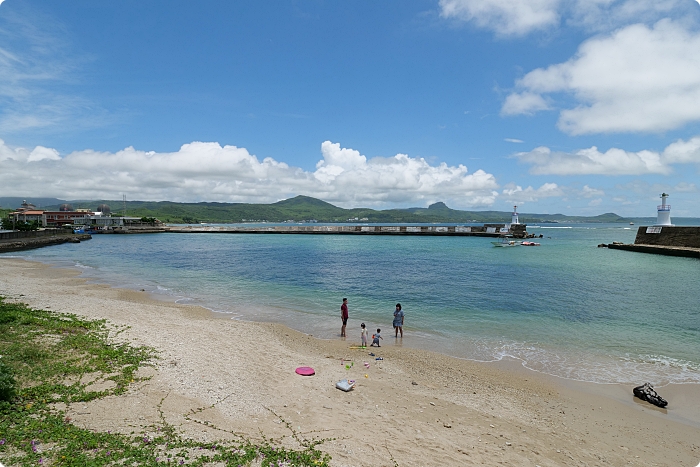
(671, 236)
(487, 230)
(16, 241)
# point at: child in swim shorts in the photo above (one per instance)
(364, 334)
(376, 337)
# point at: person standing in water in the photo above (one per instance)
(398, 320)
(364, 334)
(344, 316)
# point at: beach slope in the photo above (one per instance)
(218, 378)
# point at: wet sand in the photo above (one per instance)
(219, 377)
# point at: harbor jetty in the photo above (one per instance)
(486, 230)
(514, 229)
(16, 241)
(664, 238)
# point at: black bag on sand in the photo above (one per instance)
(646, 393)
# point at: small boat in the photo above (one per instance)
(631, 223)
(526, 243)
(506, 241)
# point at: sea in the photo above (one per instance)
(566, 308)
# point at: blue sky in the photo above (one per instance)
(579, 106)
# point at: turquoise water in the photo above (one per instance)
(566, 308)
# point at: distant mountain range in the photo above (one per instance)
(305, 208)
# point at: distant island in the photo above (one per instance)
(304, 209)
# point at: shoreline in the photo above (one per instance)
(246, 369)
(587, 364)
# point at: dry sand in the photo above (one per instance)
(216, 377)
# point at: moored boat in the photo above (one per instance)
(506, 241)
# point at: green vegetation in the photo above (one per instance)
(50, 358)
(304, 208)
(7, 224)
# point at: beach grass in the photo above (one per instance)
(50, 360)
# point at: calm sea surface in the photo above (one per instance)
(566, 308)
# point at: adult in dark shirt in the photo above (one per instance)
(344, 316)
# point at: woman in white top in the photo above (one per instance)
(398, 320)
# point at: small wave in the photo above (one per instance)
(556, 227)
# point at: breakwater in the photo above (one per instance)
(487, 230)
(17, 241)
(671, 236)
(664, 240)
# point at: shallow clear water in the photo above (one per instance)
(565, 308)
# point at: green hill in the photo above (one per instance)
(305, 208)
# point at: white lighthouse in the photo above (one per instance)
(663, 216)
(514, 218)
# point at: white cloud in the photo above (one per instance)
(588, 192)
(516, 194)
(683, 151)
(614, 161)
(595, 202)
(513, 140)
(607, 15)
(505, 17)
(521, 17)
(527, 103)
(639, 79)
(207, 171)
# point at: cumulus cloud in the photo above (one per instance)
(505, 17)
(516, 194)
(683, 152)
(207, 171)
(590, 161)
(614, 161)
(638, 79)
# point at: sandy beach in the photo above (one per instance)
(219, 377)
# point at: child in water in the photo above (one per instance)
(364, 334)
(376, 337)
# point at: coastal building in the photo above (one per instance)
(28, 215)
(514, 217)
(98, 221)
(118, 224)
(27, 212)
(663, 212)
(60, 218)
